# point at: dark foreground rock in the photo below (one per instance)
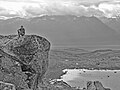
(61, 85)
(95, 85)
(24, 60)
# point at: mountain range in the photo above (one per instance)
(65, 30)
(113, 23)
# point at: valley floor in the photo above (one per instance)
(61, 59)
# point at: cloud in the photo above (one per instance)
(109, 9)
(34, 8)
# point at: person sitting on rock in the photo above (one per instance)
(21, 31)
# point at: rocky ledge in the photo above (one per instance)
(23, 60)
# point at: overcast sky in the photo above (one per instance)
(33, 8)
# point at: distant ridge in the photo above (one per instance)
(66, 30)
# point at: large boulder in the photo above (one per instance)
(24, 60)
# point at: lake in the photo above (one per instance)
(79, 77)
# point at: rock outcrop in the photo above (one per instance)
(95, 85)
(61, 85)
(24, 60)
(23, 63)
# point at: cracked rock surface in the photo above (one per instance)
(24, 60)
